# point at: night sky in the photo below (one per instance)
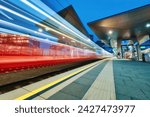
(90, 10)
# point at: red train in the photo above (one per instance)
(35, 40)
(25, 55)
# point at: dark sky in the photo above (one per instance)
(90, 10)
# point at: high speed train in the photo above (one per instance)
(35, 40)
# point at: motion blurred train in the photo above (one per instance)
(35, 40)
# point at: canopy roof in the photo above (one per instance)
(126, 25)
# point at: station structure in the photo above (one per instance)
(46, 53)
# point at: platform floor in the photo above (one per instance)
(132, 79)
(102, 80)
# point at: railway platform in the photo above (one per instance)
(108, 79)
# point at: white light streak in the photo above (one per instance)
(26, 29)
(35, 22)
(42, 12)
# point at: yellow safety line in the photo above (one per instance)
(25, 96)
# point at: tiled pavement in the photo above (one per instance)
(77, 89)
(132, 80)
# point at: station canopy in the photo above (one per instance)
(127, 25)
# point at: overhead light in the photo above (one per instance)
(40, 30)
(63, 37)
(148, 25)
(110, 32)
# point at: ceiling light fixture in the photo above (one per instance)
(110, 32)
(148, 25)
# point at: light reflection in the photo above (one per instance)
(43, 28)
